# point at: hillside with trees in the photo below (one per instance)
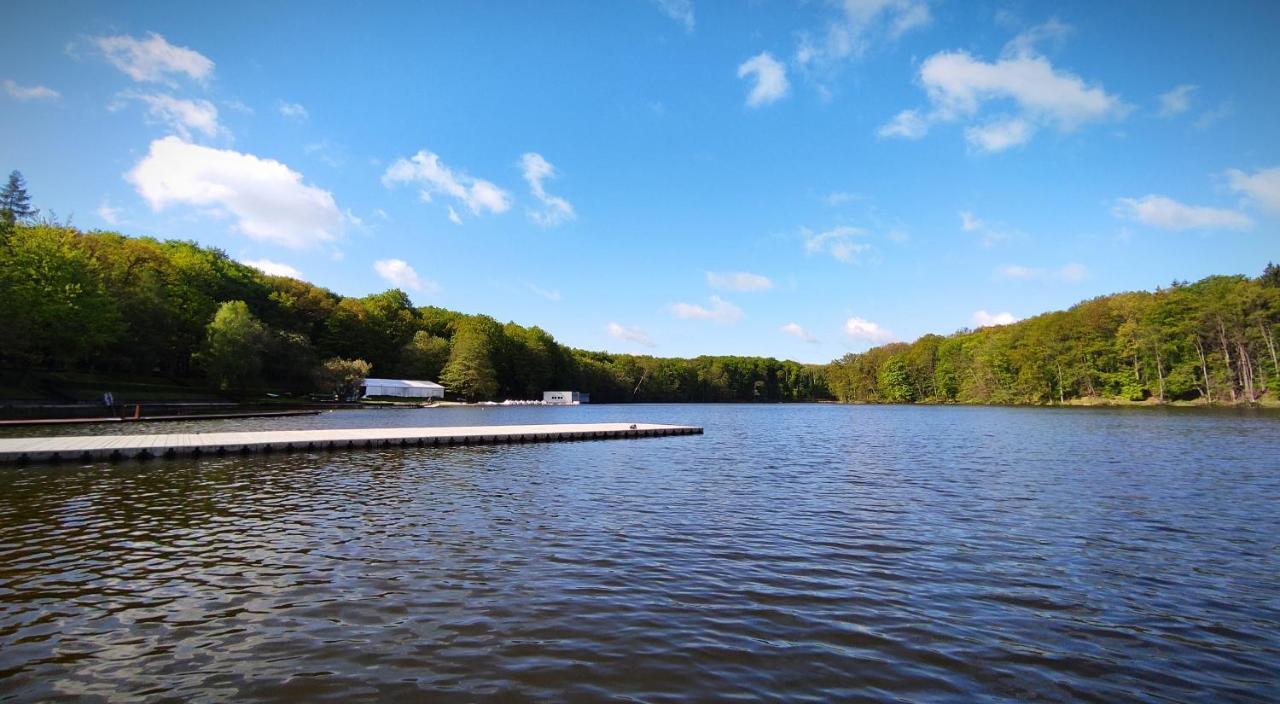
(125, 307)
(1213, 341)
(117, 306)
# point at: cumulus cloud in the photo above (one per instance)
(738, 281)
(797, 331)
(268, 200)
(1176, 101)
(153, 59)
(999, 135)
(1071, 273)
(26, 93)
(837, 242)
(984, 319)
(959, 86)
(990, 234)
(398, 273)
(720, 311)
(636, 335)
(110, 214)
(857, 24)
(267, 266)
(866, 331)
(906, 125)
(434, 178)
(1263, 186)
(770, 78)
(1168, 214)
(293, 111)
(555, 209)
(182, 116)
(679, 10)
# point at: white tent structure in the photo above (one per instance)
(406, 388)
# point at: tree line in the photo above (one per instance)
(106, 303)
(1214, 341)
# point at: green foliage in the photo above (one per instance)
(341, 377)
(470, 373)
(1214, 340)
(232, 352)
(424, 356)
(107, 303)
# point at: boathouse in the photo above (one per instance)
(405, 388)
(564, 398)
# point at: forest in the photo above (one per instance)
(1213, 341)
(109, 304)
(105, 303)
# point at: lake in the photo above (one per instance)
(802, 553)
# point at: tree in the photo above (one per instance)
(341, 377)
(15, 204)
(232, 352)
(424, 356)
(470, 372)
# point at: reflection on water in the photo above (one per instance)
(801, 552)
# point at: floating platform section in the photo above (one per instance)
(118, 447)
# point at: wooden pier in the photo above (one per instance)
(89, 448)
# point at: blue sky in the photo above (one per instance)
(793, 179)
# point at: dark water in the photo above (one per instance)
(805, 553)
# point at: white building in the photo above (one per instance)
(564, 398)
(406, 388)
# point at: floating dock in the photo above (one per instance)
(90, 448)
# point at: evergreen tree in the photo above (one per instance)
(15, 203)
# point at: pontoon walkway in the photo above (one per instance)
(118, 447)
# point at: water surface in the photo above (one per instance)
(804, 553)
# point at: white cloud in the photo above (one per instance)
(837, 242)
(720, 311)
(1209, 118)
(841, 197)
(907, 124)
(796, 330)
(859, 22)
(866, 331)
(999, 135)
(25, 93)
(110, 214)
(679, 10)
(426, 170)
(959, 86)
(1262, 186)
(770, 79)
(454, 217)
(984, 319)
(1168, 214)
(636, 335)
(154, 60)
(738, 281)
(1176, 101)
(991, 235)
(293, 111)
(1071, 273)
(398, 273)
(555, 210)
(267, 266)
(549, 294)
(182, 116)
(268, 199)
